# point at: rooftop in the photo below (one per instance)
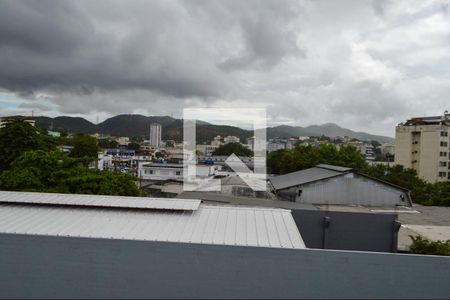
(444, 120)
(96, 217)
(302, 177)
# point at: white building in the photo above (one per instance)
(4, 121)
(123, 141)
(216, 141)
(387, 148)
(166, 171)
(206, 150)
(231, 139)
(155, 135)
(104, 162)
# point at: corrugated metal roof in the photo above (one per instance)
(99, 201)
(302, 177)
(334, 168)
(210, 224)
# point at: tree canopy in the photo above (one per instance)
(303, 157)
(107, 143)
(18, 136)
(30, 161)
(53, 171)
(84, 146)
(231, 148)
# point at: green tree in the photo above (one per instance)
(134, 146)
(53, 171)
(231, 148)
(303, 157)
(106, 143)
(17, 136)
(84, 146)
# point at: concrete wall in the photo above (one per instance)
(347, 230)
(52, 267)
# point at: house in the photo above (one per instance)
(334, 185)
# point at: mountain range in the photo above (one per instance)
(138, 126)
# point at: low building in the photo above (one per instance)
(231, 139)
(104, 162)
(3, 122)
(333, 185)
(170, 171)
(206, 150)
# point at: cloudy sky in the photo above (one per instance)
(365, 65)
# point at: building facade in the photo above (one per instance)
(155, 135)
(423, 144)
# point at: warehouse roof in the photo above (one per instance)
(302, 177)
(99, 201)
(209, 224)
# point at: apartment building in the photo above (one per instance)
(423, 144)
(155, 135)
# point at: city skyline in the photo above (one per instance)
(304, 61)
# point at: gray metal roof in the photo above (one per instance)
(209, 224)
(99, 201)
(334, 168)
(302, 177)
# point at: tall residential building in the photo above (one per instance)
(423, 144)
(155, 135)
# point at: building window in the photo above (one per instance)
(442, 164)
(444, 133)
(443, 154)
(444, 144)
(442, 174)
(178, 173)
(150, 171)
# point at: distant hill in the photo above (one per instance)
(328, 129)
(139, 126)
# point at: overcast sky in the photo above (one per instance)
(365, 65)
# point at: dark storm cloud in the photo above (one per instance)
(352, 61)
(80, 47)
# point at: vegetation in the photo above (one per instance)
(84, 146)
(18, 136)
(106, 143)
(424, 246)
(134, 146)
(231, 148)
(303, 157)
(285, 161)
(31, 162)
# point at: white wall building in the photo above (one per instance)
(231, 139)
(155, 135)
(166, 171)
(123, 141)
